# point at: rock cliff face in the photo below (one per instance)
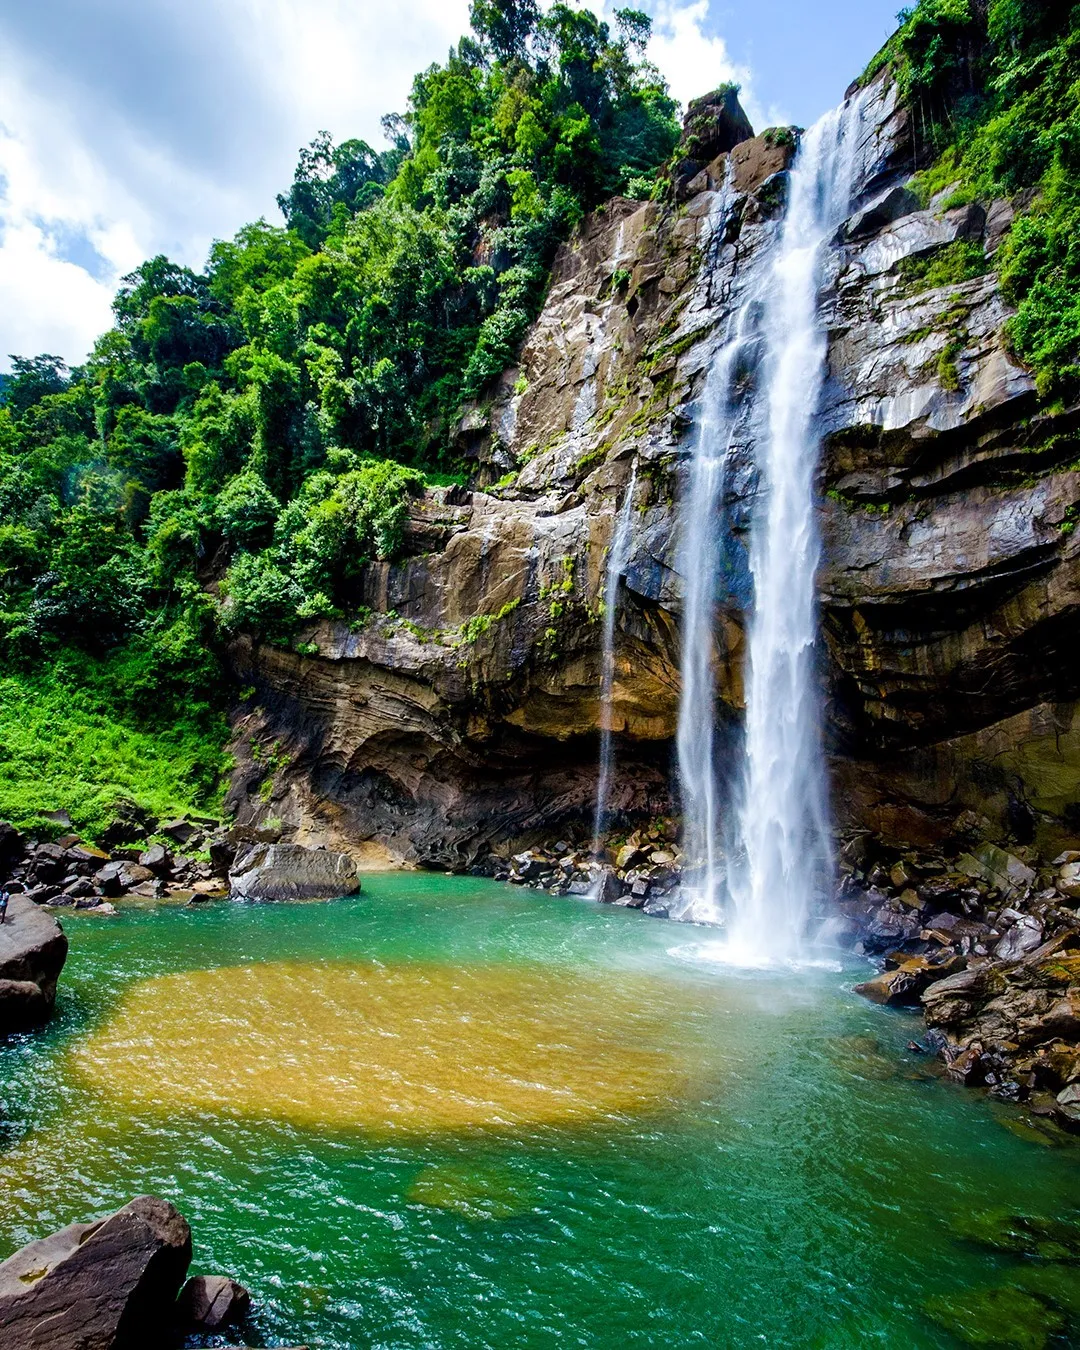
(464, 713)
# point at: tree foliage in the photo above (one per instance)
(996, 87)
(252, 424)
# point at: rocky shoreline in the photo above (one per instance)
(242, 862)
(641, 871)
(987, 944)
(118, 1283)
(984, 942)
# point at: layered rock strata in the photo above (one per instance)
(463, 715)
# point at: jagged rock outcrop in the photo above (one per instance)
(33, 949)
(109, 1285)
(464, 714)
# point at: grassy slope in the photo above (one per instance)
(67, 742)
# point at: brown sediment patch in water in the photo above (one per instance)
(385, 1048)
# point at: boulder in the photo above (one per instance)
(630, 855)
(714, 124)
(997, 868)
(606, 888)
(180, 831)
(128, 826)
(211, 1302)
(134, 874)
(33, 950)
(12, 844)
(905, 985)
(108, 879)
(222, 852)
(109, 1285)
(1023, 937)
(49, 863)
(291, 872)
(155, 859)
(1068, 880)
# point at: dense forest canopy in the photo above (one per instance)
(266, 419)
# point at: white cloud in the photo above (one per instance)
(112, 151)
(693, 61)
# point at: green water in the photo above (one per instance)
(760, 1163)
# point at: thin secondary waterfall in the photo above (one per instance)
(778, 840)
(618, 556)
(701, 550)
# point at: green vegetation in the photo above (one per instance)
(246, 438)
(78, 736)
(996, 90)
(473, 629)
(949, 266)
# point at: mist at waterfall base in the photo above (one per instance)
(760, 859)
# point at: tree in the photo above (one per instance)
(32, 379)
(504, 26)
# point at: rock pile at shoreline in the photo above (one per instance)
(987, 944)
(643, 871)
(242, 862)
(68, 873)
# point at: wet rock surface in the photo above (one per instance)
(33, 949)
(987, 944)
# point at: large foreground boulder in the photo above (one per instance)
(291, 872)
(33, 950)
(109, 1285)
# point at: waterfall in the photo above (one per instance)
(701, 558)
(701, 550)
(618, 555)
(778, 840)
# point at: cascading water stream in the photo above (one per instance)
(701, 550)
(778, 838)
(618, 556)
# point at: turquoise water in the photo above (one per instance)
(603, 1144)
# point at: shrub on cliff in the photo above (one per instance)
(996, 87)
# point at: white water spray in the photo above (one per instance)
(779, 846)
(617, 559)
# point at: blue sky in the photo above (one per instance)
(133, 127)
(802, 55)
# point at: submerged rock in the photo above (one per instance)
(291, 872)
(33, 949)
(1029, 1235)
(109, 1285)
(1005, 1316)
